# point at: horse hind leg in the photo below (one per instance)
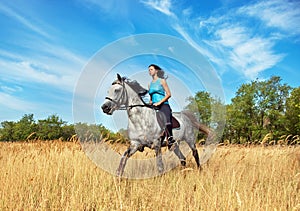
(195, 154)
(179, 154)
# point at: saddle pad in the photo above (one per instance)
(175, 123)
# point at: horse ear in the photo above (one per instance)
(119, 77)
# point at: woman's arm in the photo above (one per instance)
(167, 91)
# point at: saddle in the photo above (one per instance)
(161, 119)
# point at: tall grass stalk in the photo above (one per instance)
(56, 175)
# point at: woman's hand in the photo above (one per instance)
(157, 104)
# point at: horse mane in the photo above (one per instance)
(141, 91)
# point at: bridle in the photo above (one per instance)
(124, 94)
(118, 103)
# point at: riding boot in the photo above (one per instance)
(171, 141)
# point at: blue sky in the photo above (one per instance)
(45, 45)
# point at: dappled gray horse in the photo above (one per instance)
(145, 125)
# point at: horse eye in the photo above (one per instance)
(117, 90)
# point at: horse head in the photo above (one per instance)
(116, 96)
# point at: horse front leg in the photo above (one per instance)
(159, 162)
(128, 153)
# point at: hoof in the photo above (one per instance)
(160, 170)
(141, 148)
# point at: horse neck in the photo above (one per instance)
(132, 97)
(139, 117)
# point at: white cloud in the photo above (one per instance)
(164, 6)
(44, 62)
(281, 14)
(254, 56)
(26, 71)
(192, 42)
(52, 65)
(10, 89)
(112, 8)
(24, 21)
(62, 54)
(231, 41)
(227, 40)
(15, 103)
(231, 37)
(247, 53)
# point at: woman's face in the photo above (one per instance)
(152, 71)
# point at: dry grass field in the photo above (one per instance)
(58, 176)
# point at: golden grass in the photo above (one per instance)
(58, 176)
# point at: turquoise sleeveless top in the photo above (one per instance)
(157, 91)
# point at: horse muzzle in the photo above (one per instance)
(107, 108)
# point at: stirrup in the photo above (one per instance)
(171, 140)
(171, 143)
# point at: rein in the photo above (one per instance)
(144, 105)
(124, 106)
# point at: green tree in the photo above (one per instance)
(7, 130)
(50, 128)
(293, 112)
(201, 104)
(270, 99)
(67, 132)
(88, 132)
(243, 112)
(257, 109)
(25, 127)
(210, 111)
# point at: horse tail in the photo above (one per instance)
(201, 127)
(196, 124)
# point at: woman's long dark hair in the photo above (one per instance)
(160, 72)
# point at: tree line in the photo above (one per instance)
(259, 109)
(53, 128)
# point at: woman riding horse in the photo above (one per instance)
(159, 94)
